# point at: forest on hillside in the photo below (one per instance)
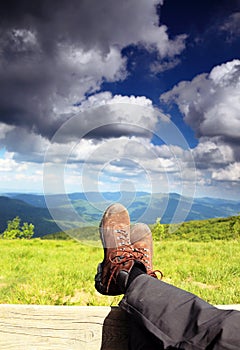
(195, 231)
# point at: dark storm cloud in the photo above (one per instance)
(54, 52)
(31, 73)
(34, 81)
(58, 21)
(116, 117)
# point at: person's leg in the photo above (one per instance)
(140, 338)
(169, 317)
(180, 319)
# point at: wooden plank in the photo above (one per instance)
(35, 327)
(229, 307)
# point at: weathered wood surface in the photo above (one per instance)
(34, 327)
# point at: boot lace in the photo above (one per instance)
(119, 257)
(123, 236)
(143, 255)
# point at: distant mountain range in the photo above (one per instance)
(142, 206)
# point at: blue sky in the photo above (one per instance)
(131, 95)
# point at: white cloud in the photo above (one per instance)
(83, 72)
(20, 176)
(230, 173)
(159, 67)
(88, 161)
(4, 129)
(210, 104)
(231, 26)
(8, 164)
(104, 116)
(135, 160)
(208, 154)
(157, 38)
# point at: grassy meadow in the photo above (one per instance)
(61, 272)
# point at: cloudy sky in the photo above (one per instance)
(120, 95)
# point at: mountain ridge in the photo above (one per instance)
(89, 207)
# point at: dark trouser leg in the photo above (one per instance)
(177, 319)
(141, 339)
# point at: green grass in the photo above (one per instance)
(209, 269)
(59, 272)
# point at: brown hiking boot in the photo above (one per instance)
(118, 252)
(141, 239)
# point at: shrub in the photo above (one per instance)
(158, 231)
(14, 231)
